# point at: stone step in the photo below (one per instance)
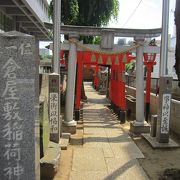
(77, 139)
(64, 140)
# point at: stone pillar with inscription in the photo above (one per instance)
(18, 101)
(54, 107)
(37, 107)
(164, 109)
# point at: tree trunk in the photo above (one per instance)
(177, 55)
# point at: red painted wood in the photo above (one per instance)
(117, 84)
(96, 79)
(148, 83)
(79, 80)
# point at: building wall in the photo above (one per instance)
(39, 7)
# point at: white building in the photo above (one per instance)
(26, 16)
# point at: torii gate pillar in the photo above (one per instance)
(69, 123)
(139, 125)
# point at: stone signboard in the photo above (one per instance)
(166, 103)
(17, 106)
(54, 107)
(165, 85)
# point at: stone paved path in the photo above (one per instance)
(108, 152)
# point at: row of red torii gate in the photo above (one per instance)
(113, 56)
(115, 61)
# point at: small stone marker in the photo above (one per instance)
(165, 85)
(153, 125)
(54, 107)
(18, 107)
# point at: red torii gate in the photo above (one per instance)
(117, 81)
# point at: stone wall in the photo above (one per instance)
(175, 107)
(131, 81)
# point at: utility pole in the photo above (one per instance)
(54, 78)
(56, 36)
(164, 38)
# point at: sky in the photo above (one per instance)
(147, 16)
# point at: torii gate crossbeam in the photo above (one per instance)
(98, 31)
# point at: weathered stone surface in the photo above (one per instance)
(68, 129)
(138, 129)
(50, 161)
(165, 85)
(44, 114)
(107, 40)
(44, 125)
(18, 107)
(94, 162)
(54, 107)
(153, 125)
(108, 151)
(156, 145)
(64, 141)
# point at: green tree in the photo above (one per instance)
(130, 66)
(87, 13)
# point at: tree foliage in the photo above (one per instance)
(97, 12)
(69, 11)
(87, 12)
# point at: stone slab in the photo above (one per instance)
(126, 150)
(120, 168)
(68, 129)
(64, 140)
(94, 130)
(98, 142)
(138, 129)
(88, 175)
(77, 139)
(88, 159)
(105, 140)
(156, 145)
(50, 162)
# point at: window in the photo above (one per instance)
(6, 23)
